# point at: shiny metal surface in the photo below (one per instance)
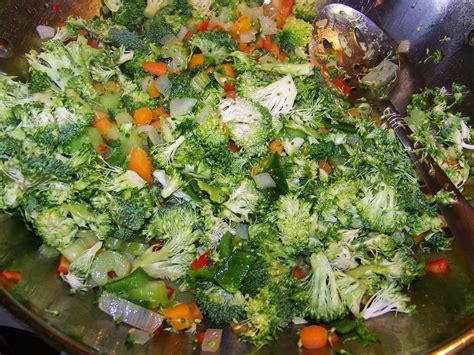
(445, 304)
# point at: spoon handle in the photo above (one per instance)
(460, 214)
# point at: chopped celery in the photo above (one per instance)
(110, 101)
(200, 81)
(123, 118)
(133, 248)
(94, 136)
(79, 246)
(106, 262)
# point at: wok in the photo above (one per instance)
(445, 304)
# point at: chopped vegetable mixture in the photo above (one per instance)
(193, 142)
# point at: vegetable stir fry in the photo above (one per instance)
(193, 142)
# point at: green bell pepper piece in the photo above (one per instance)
(236, 267)
(139, 288)
(225, 246)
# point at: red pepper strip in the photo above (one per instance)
(342, 87)
(203, 26)
(229, 88)
(201, 262)
(12, 276)
(437, 266)
(169, 291)
(233, 147)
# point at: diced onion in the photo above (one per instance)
(145, 84)
(213, 22)
(45, 32)
(264, 181)
(247, 37)
(180, 107)
(212, 340)
(299, 320)
(182, 33)
(403, 46)
(140, 336)
(163, 84)
(130, 313)
(252, 12)
(151, 133)
(168, 38)
(242, 230)
(268, 25)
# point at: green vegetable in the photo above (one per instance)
(225, 246)
(235, 268)
(106, 262)
(139, 288)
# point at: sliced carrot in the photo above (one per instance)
(437, 266)
(142, 116)
(63, 266)
(92, 42)
(242, 24)
(275, 50)
(102, 124)
(196, 59)
(276, 146)
(286, 7)
(98, 87)
(153, 91)
(159, 112)
(141, 164)
(243, 47)
(195, 311)
(354, 112)
(180, 316)
(314, 337)
(157, 68)
(101, 114)
(323, 164)
(280, 21)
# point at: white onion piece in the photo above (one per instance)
(145, 84)
(180, 107)
(268, 26)
(172, 67)
(227, 26)
(252, 12)
(151, 133)
(242, 230)
(45, 32)
(140, 336)
(299, 320)
(214, 21)
(403, 46)
(163, 84)
(130, 313)
(212, 340)
(264, 181)
(182, 33)
(249, 36)
(168, 38)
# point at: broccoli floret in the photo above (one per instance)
(256, 278)
(388, 299)
(39, 81)
(351, 290)
(249, 127)
(176, 226)
(244, 200)
(128, 39)
(80, 269)
(305, 9)
(220, 306)
(296, 34)
(130, 14)
(180, 86)
(42, 165)
(153, 6)
(55, 227)
(295, 222)
(325, 301)
(266, 314)
(9, 145)
(166, 23)
(379, 210)
(215, 45)
(130, 208)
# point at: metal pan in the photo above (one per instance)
(444, 321)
